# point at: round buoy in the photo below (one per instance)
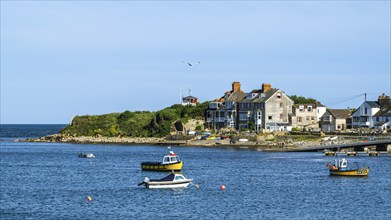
(222, 187)
(89, 198)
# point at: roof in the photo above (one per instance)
(385, 111)
(236, 96)
(340, 113)
(189, 97)
(372, 104)
(261, 97)
(318, 104)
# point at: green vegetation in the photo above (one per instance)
(302, 100)
(135, 124)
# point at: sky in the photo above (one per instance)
(60, 59)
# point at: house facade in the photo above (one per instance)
(335, 119)
(265, 109)
(222, 112)
(382, 119)
(363, 116)
(304, 115)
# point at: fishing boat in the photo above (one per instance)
(171, 162)
(84, 155)
(340, 168)
(172, 181)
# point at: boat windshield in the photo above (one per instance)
(179, 177)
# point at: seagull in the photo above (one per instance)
(189, 64)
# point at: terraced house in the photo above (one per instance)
(222, 112)
(265, 109)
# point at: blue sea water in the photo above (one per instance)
(49, 181)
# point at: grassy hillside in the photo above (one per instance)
(134, 124)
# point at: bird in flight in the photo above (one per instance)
(190, 64)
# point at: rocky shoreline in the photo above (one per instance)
(262, 145)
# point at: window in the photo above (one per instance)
(312, 118)
(278, 95)
(301, 108)
(308, 118)
(270, 117)
(365, 111)
(309, 108)
(281, 105)
(298, 119)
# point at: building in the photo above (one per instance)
(222, 112)
(304, 116)
(382, 119)
(265, 109)
(189, 100)
(335, 119)
(363, 116)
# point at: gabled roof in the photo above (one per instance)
(340, 113)
(261, 97)
(384, 112)
(236, 96)
(372, 104)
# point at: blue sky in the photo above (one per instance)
(65, 58)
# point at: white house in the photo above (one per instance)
(382, 118)
(363, 117)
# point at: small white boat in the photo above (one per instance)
(172, 181)
(83, 155)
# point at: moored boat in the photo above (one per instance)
(172, 181)
(171, 162)
(340, 168)
(84, 155)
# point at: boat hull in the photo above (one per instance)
(168, 184)
(359, 172)
(152, 166)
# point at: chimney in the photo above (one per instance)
(235, 86)
(383, 100)
(266, 87)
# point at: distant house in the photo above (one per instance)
(363, 116)
(382, 119)
(189, 100)
(265, 109)
(304, 115)
(335, 119)
(222, 112)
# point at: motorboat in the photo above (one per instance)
(340, 168)
(172, 181)
(171, 162)
(84, 155)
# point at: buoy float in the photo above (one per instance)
(89, 198)
(222, 187)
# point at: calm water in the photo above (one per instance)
(49, 181)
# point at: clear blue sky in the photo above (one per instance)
(65, 58)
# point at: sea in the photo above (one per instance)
(50, 181)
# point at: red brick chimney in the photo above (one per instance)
(266, 87)
(235, 86)
(384, 100)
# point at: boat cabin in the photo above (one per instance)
(341, 164)
(171, 158)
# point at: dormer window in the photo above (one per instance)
(309, 108)
(278, 95)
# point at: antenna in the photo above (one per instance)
(180, 95)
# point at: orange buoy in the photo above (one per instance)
(222, 187)
(89, 198)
